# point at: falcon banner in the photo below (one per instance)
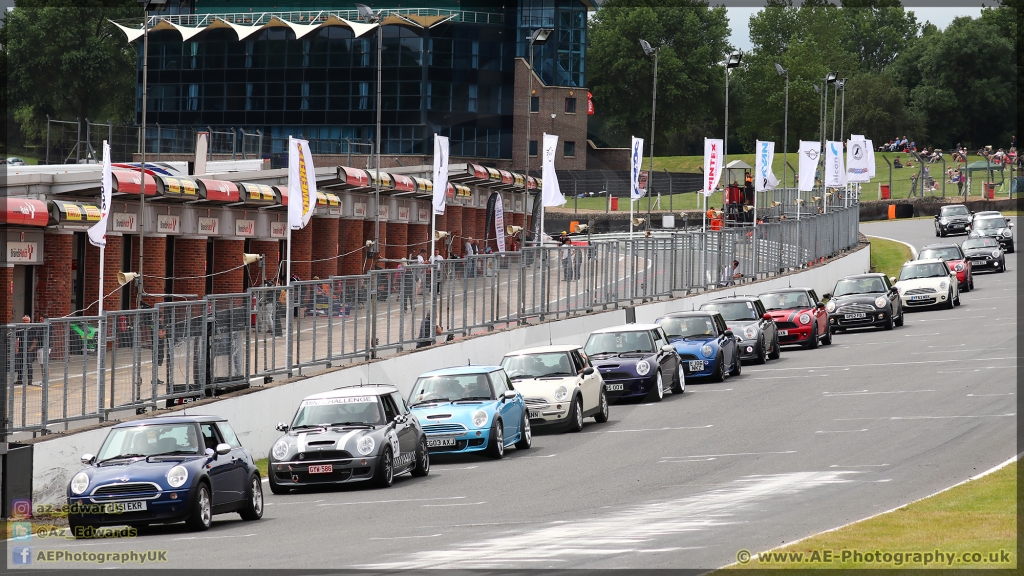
(550, 192)
(810, 152)
(712, 164)
(635, 158)
(301, 184)
(858, 168)
(765, 179)
(440, 172)
(98, 231)
(835, 175)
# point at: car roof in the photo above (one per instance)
(992, 216)
(355, 390)
(785, 290)
(925, 261)
(740, 298)
(865, 275)
(171, 419)
(458, 370)
(626, 328)
(945, 245)
(542, 349)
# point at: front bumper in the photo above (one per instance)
(296, 472)
(747, 349)
(875, 318)
(472, 440)
(931, 300)
(954, 228)
(624, 388)
(798, 335)
(985, 263)
(164, 506)
(550, 413)
(710, 365)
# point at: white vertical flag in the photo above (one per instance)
(98, 231)
(499, 223)
(869, 146)
(635, 158)
(857, 163)
(301, 184)
(440, 172)
(765, 180)
(809, 154)
(550, 193)
(835, 175)
(712, 164)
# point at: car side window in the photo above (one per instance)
(499, 383)
(658, 340)
(577, 361)
(228, 434)
(399, 402)
(586, 359)
(210, 436)
(389, 408)
(814, 297)
(759, 306)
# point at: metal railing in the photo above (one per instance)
(88, 368)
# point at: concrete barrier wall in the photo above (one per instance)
(253, 416)
(929, 206)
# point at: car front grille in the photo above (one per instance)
(916, 291)
(142, 489)
(617, 376)
(322, 455)
(444, 429)
(536, 402)
(786, 325)
(855, 308)
(687, 356)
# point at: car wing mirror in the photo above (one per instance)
(401, 419)
(588, 370)
(766, 316)
(892, 279)
(281, 427)
(209, 452)
(827, 296)
(819, 305)
(87, 458)
(728, 334)
(510, 394)
(223, 449)
(667, 348)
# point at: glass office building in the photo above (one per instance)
(455, 77)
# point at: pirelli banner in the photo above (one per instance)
(72, 214)
(177, 187)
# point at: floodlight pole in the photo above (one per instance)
(142, 165)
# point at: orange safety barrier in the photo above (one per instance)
(892, 212)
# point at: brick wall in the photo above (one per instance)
(454, 222)
(419, 238)
(325, 246)
(350, 237)
(481, 229)
(302, 253)
(369, 235)
(440, 223)
(398, 240)
(6, 287)
(227, 254)
(154, 266)
(53, 278)
(112, 255)
(568, 127)
(189, 267)
(272, 257)
(469, 223)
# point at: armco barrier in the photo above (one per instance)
(254, 414)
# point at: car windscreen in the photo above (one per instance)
(339, 411)
(785, 300)
(619, 343)
(150, 440)
(849, 286)
(685, 327)
(980, 243)
(538, 365)
(451, 388)
(989, 223)
(940, 253)
(954, 211)
(929, 270)
(733, 311)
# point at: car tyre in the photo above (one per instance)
(602, 413)
(496, 446)
(253, 508)
(201, 515)
(525, 432)
(737, 365)
(679, 382)
(719, 375)
(812, 343)
(658, 392)
(956, 301)
(422, 467)
(576, 415)
(761, 356)
(889, 322)
(384, 476)
(949, 299)
(899, 321)
(776, 351)
(274, 486)
(827, 339)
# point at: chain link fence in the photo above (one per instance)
(87, 368)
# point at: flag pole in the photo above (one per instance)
(288, 271)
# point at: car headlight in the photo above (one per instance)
(177, 476)
(943, 221)
(973, 235)
(79, 483)
(942, 285)
(561, 393)
(959, 267)
(479, 418)
(365, 445)
(706, 351)
(830, 306)
(996, 253)
(805, 318)
(280, 451)
(881, 302)
(643, 367)
(1007, 233)
(750, 332)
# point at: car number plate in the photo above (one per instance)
(440, 442)
(783, 332)
(977, 262)
(321, 469)
(920, 297)
(696, 365)
(535, 414)
(857, 315)
(613, 387)
(122, 507)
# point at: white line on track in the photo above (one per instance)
(406, 537)
(878, 364)
(858, 465)
(545, 456)
(789, 377)
(661, 429)
(291, 503)
(913, 251)
(932, 417)
(449, 505)
(1005, 394)
(391, 501)
(949, 351)
(213, 537)
(460, 468)
(735, 454)
(839, 431)
(866, 393)
(713, 390)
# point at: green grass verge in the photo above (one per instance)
(888, 256)
(977, 519)
(261, 465)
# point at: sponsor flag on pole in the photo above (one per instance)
(835, 174)
(440, 172)
(869, 147)
(766, 180)
(857, 160)
(552, 196)
(98, 231)
(809, 154)
(499, 223)
(635, 158)
(712, 164)
(301, 184)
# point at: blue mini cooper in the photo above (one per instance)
(163, 470)
(470, 409)
(706, 346)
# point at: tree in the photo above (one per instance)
(66, 60)
(693, 42)
(876, 31)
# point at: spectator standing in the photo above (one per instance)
(22, 358)
(467, 253)
(435, 262)
(408, 288)
(730, 273)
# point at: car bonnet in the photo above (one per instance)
(543, 388)
(337, 438)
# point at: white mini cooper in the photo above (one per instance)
(559, 385)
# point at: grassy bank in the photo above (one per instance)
(888, 256)
(974, 525)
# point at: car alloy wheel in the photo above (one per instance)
(602, 414)
(385, 475)
(659, 387)
(422, 459)
(719, 375)
(949, 299)
(202, 513)
(525, 432)
(680, 379)
(499, 438)
(812, 342)
(576, 415)
(761, 353)
(253, 509)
